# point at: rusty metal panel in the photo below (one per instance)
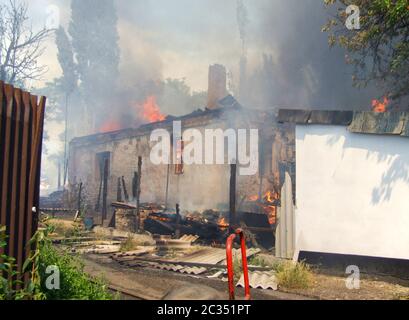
(21, 133)
(293, 116)
(342, 118)
(392, 123)
(315, 117)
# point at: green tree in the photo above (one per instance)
(20, 45)
(69, 82)
(66, 59)
(379, 49)
(93, 30)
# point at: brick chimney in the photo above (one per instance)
(217, 85)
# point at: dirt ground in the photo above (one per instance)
(156, 284)
(330, 287)
(150, 284)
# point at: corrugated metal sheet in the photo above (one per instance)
(214, 255)
(168, 267)
(181, 269)
(207, 256)
(135, 253)
(285, 232)
(98, 249)
(260, 280)
(189, 238)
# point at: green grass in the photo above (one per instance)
(65, 229)
(237, 268)
(258, 261)
(130, 244)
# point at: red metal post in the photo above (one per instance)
(230, 270)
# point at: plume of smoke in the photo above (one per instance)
(299, 70)
(243, 21)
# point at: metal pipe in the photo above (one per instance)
(230, 270)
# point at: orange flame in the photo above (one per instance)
(379, 106)
(222, 223)
(150, 110)
(267, 203)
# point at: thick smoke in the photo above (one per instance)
(298, 69)
(274, 50)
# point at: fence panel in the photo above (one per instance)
(21, 134)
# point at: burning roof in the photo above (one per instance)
(151, 112)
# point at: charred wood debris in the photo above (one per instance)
(212, 227)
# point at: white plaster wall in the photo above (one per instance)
(352, 192)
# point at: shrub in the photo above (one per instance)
(133, 242)
(75, 284)
(65, 229)
(10, 278)
(129, 244)
(293, 275)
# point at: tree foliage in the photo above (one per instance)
(66, 59)
(20, 45)
(379, 50)
(94, 38)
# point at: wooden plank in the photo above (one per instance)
(23, 178)
(105, 190)
(3, 111)
(6, 151)
(38, 118)
(15, 169)
(21, 133)
(233, 182)
(42, 105)
(138, 195)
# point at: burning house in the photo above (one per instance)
(352, 183)
(117, 166)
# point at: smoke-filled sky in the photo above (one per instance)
(161, 38)
(178, 39)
